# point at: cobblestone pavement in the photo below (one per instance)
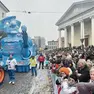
(26, 84)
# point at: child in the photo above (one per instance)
(11, 62)
(46, 63)
(33, 65)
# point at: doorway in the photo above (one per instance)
(86, 41)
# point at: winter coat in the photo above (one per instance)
(84, 74)
(33, 62)
(85, 88)
(11, 64)
(41, 58)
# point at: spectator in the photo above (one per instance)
(65, 83)
(69, 57)
(87, 88)
(82, 71)
(89, 63)
(46, 63)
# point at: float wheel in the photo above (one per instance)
(2, 75)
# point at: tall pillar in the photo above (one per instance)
(72, 35)
(82, 31)
(65, 38)
(60, 39)
(92, 31)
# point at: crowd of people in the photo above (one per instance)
(73, 69)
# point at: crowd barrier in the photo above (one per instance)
(57, 88)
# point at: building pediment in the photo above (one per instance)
(75, 9)
(4, 7)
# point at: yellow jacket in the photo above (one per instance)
(33, 62)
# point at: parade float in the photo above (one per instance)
(16, 42)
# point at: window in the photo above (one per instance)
(3, 15)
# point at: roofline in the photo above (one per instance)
(75, 3)
(7, 10)
(64, 14)
(81, 13)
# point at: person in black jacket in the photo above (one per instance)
(87, 87)
(82, 71)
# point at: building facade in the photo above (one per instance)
(78, 24)
(39, 41)
(3, 10)
(62, 42)
(43, 45)
(52, 45)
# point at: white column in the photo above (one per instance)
(72, 35)
(92, 31)
(60, 39)
(65, 37)
(82, 31)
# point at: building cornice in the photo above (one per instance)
(86, 14)
(4, 7)
(73, 5)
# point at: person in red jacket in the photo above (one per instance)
(41, 60)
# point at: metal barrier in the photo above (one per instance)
(54, 78)
(58, 89)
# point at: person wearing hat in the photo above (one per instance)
(66, 81)
(65, 71)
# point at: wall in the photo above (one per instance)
(2, 11)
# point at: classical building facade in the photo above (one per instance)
(62, 42)
(3, 10)
(39, 41)
(52, 45)
(77, 23)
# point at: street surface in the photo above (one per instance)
(26, 84)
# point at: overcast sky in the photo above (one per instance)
(41, 23)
